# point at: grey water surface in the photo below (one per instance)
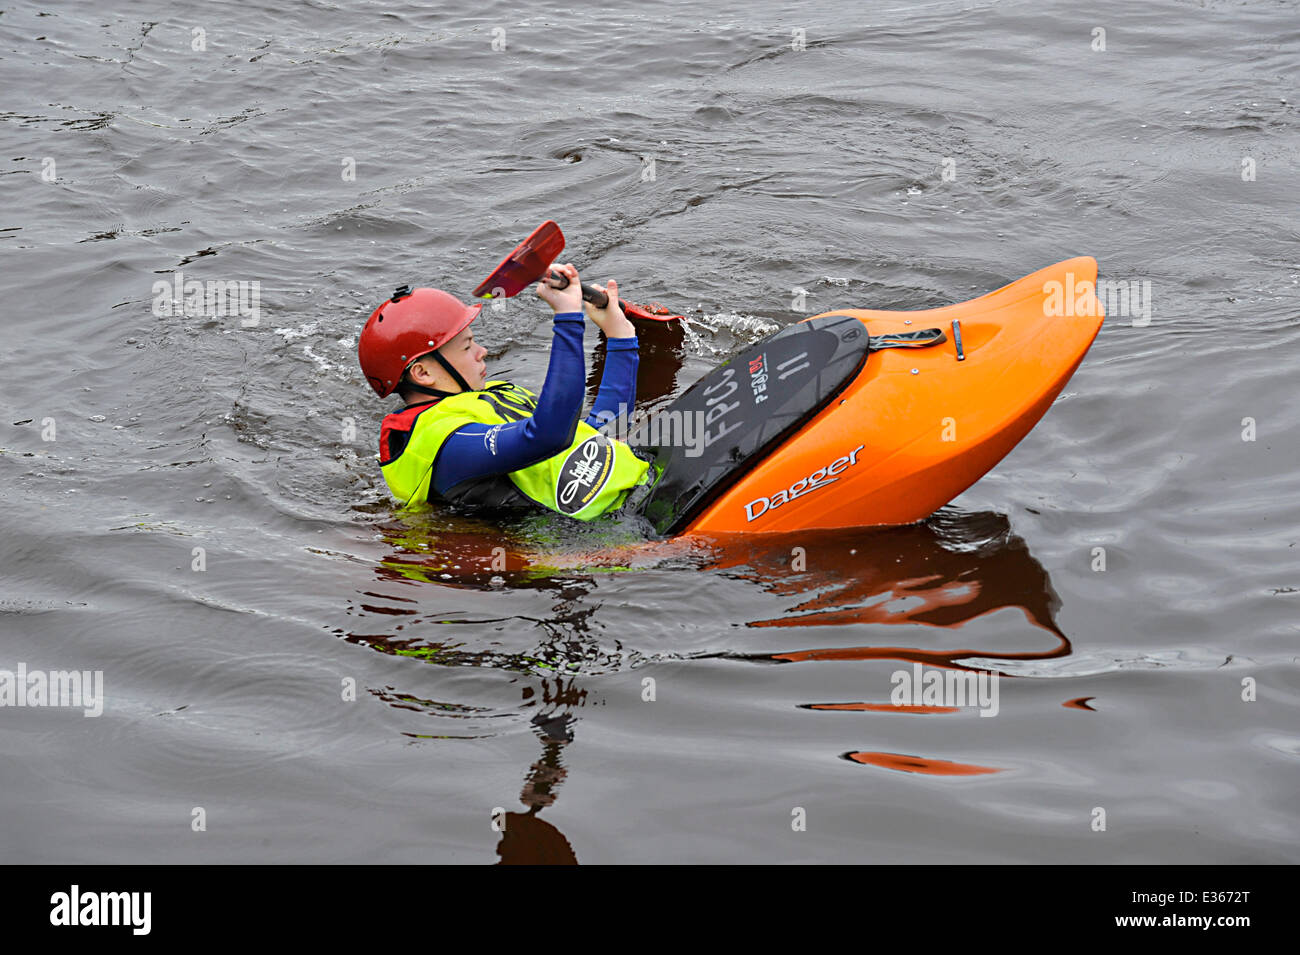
(191, 503)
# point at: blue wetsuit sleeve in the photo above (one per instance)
(617, 382)
(478, 450)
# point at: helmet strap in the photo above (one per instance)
(450, 369)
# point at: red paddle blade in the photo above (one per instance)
(652, 312)
(525, 265)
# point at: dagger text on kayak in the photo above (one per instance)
(822, 477)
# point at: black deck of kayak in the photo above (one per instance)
(744, 409)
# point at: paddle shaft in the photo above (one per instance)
(598, 297)
(590, 293)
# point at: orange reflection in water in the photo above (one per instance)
(943, 572)
(936, 658)
(882, 707)
(919, 764)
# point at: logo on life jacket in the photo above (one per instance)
(583, 474)
(818, 479)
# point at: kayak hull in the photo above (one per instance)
(918, 426)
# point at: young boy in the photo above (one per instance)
(464, 439)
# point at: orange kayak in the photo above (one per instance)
(822, 426)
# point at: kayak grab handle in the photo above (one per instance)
(921, 338)
(956, 338)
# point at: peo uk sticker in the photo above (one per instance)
(583, 473)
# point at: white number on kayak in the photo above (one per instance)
(785, 369)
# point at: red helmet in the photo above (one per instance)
(407, 326)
